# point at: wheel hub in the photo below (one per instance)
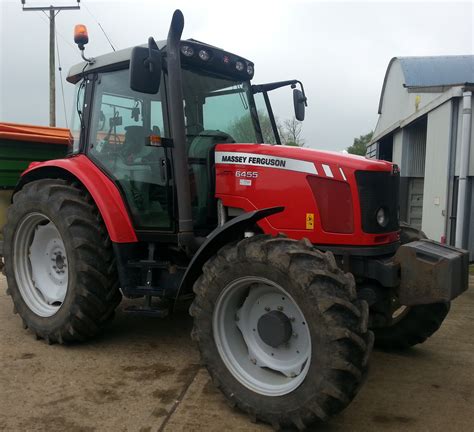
(262, 336)
(274, 328)
(41, 264)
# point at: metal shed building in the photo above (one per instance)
(424, 126)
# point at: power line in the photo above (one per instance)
(100, 26)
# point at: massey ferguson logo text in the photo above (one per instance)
(254, 160)
(250, 159)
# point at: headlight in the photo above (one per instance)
(382, 218)
(250, 69)
(187, 50)
(204, 55)
(239, 66)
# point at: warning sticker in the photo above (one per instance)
(309, 221)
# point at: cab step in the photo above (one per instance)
(152, 311)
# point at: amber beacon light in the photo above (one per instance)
(81, 37)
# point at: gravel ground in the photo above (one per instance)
(143, 374)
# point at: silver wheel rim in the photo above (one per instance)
(40, 264)
(267, 370)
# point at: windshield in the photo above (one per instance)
(223, 108)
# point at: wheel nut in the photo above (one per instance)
(295, 335)
(280, 308)
(254, 361)
(292, 318)
(267, 308)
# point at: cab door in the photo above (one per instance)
(123, 123)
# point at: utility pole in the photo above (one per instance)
(53, 11)
(52, 70)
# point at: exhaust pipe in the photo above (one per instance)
(180, 160)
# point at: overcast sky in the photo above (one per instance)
(340, 50)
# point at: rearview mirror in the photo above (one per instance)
(299, 101)
(145, 68)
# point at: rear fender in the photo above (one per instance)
(229, 232)
(104, 192)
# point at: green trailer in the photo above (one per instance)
(19, 146)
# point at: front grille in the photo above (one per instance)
(378, 189)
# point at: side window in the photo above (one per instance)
(122, 124)
(76, 116)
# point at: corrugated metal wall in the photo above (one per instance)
(416, 150)
(415, 202)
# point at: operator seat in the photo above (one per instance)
(134, 172)
(201, 162)
(134, 143)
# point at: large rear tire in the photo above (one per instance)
(410, 325)
(314, 365)
(59, 263)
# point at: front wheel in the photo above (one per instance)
(281, 331)
(411, 325)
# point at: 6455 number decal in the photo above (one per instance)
(246, 174)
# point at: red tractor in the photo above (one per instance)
(294, 258)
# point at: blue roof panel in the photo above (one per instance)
(437, 71)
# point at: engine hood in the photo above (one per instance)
(296, 158)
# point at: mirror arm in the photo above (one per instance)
(151, 46)
(260, 88)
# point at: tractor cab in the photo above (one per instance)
(126, 127)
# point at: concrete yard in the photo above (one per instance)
(143, 374)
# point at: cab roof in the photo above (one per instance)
(118, 58)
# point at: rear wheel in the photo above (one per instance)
(59, 262)
(281, 331)
(410, 325)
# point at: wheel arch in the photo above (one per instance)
(103, 191)
(230, 231)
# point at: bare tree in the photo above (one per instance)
(291, 133)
